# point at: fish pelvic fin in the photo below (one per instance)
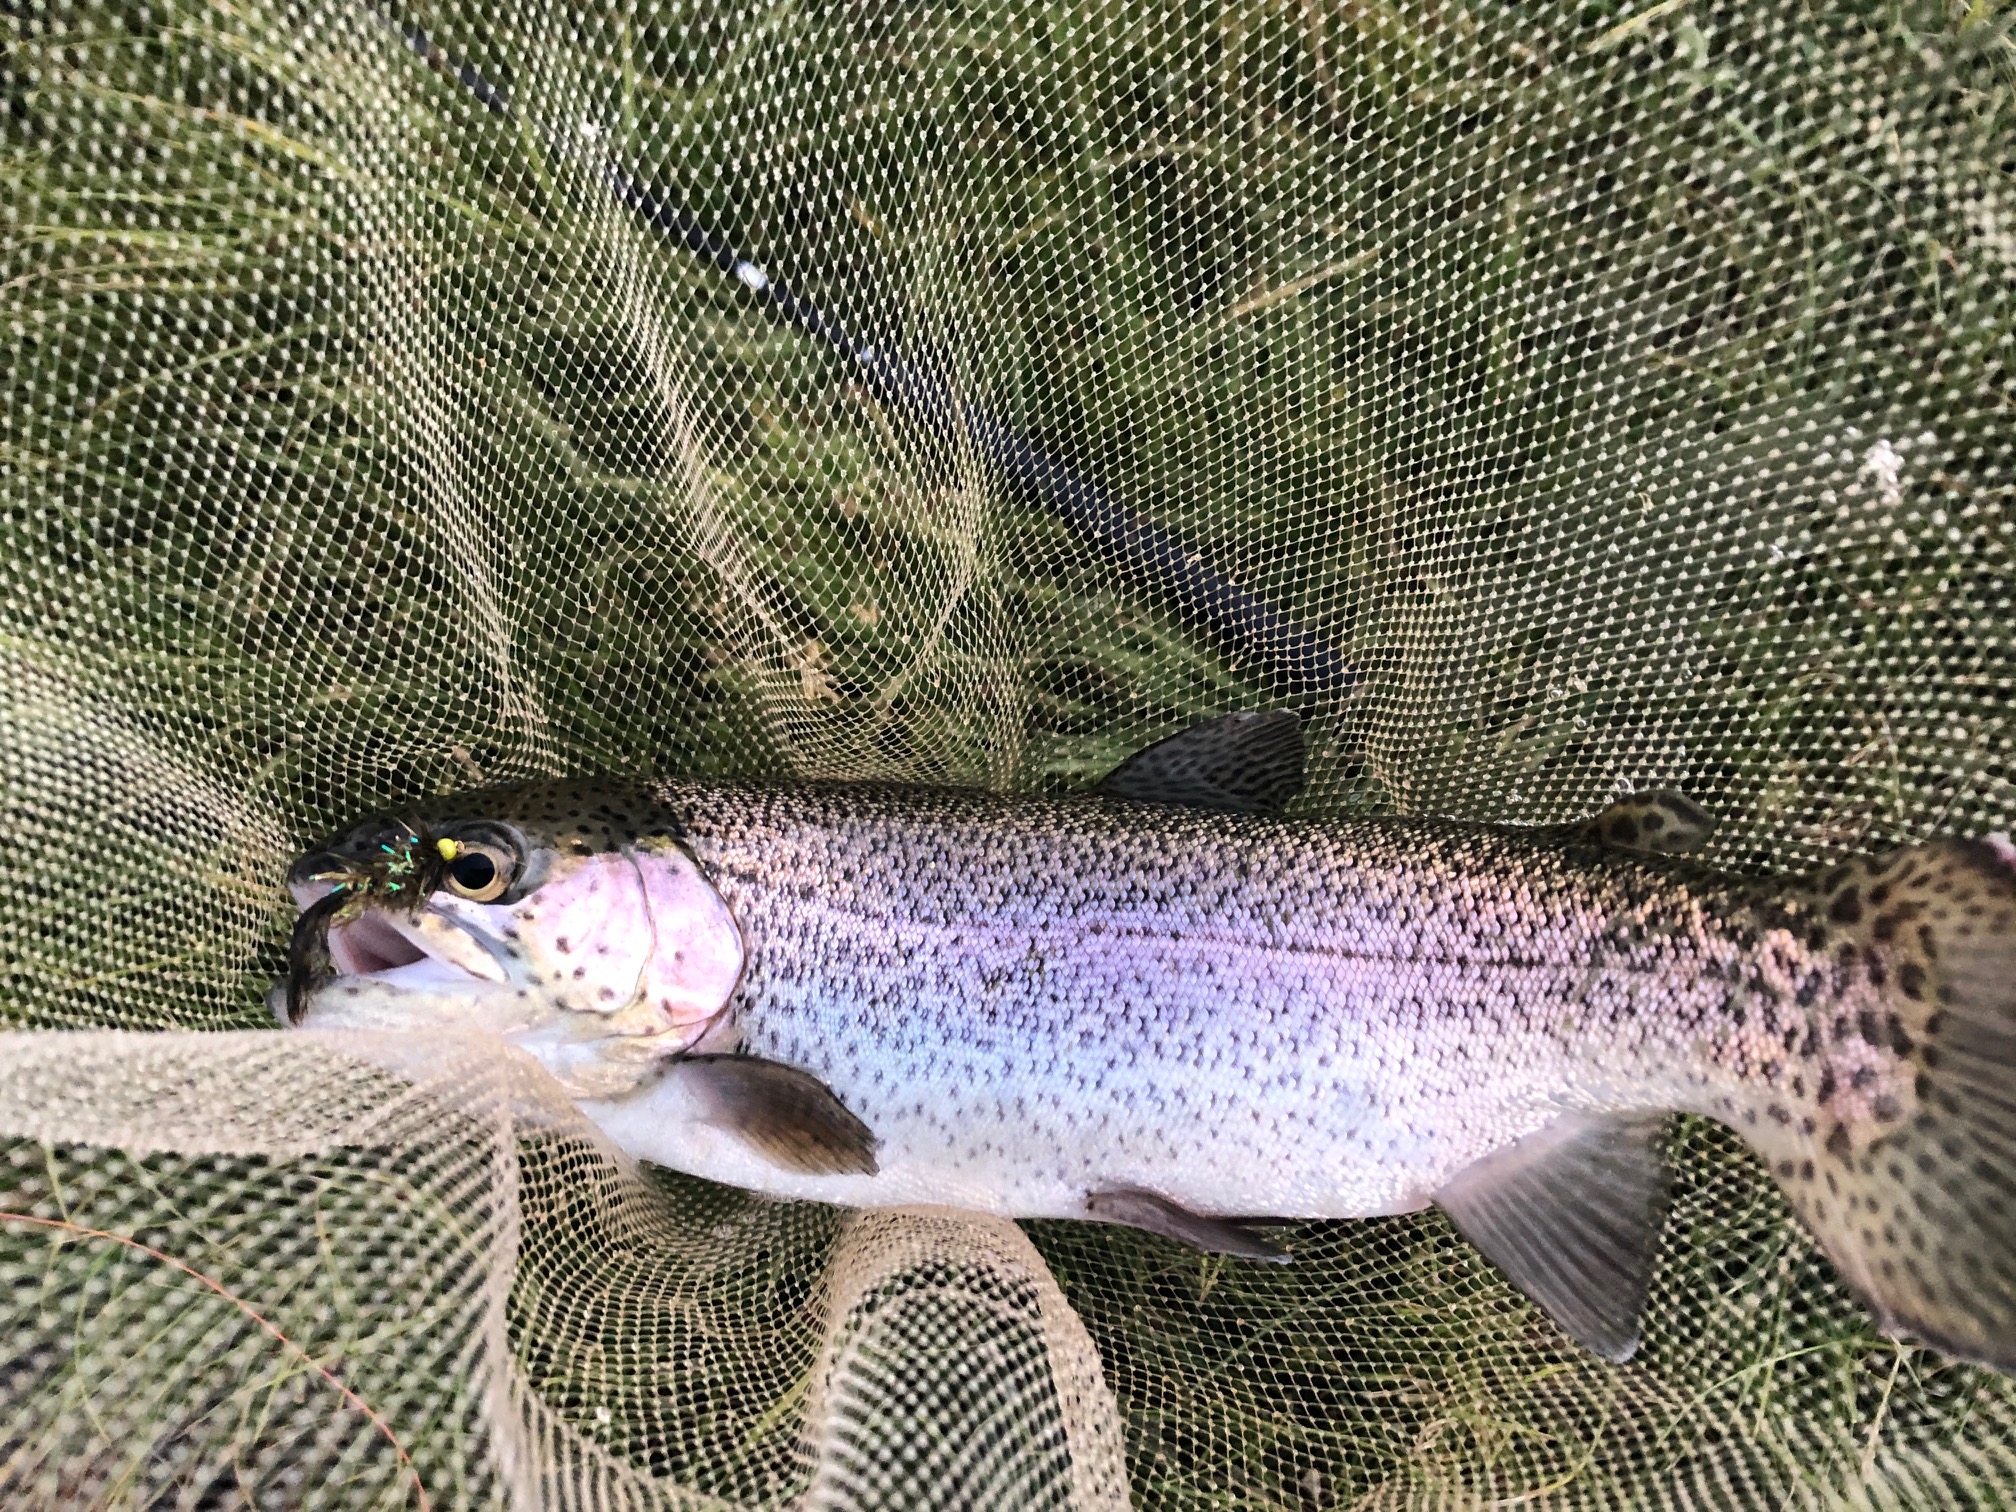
(788, 1116)
(1571, 1214)
(1158, 1215)
(1909, 1182)
(1248, 763)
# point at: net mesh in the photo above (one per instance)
(1547, 401)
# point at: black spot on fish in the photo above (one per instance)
(1847, 907)
(1837, 1146)
(1911, 977)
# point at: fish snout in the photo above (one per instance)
(313, 877)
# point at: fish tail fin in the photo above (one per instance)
(1907, 1172)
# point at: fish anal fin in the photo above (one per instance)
(1248, 763)
(1158, 1215)
(1658, 823)
(787, 1115)
(1571, 1214)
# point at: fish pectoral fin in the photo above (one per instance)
(790, 1116)
(1660, 823)
(1571, 1214)
(1158, 1215)
(1247, 763)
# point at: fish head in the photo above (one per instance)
(567, 918)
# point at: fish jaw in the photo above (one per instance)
(614, 962)
(400, 970)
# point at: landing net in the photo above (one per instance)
(1548, 401)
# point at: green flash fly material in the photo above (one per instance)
(1162, 1004)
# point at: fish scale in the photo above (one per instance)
(1063, 973)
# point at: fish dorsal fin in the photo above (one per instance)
(1242, 763)
(1571, 1215)
(1660, 823)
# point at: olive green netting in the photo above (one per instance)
(1623, 393)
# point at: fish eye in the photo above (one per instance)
(479, 872)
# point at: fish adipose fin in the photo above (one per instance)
(1659, 823)
(1158, 1215)
(1242, 763)
(789, 1116)
(1571, 1215)
(1908, 1179)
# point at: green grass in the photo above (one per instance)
(354, 445)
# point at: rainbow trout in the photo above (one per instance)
(1162, 1004)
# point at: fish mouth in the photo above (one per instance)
(370, 944)
(384, 946)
